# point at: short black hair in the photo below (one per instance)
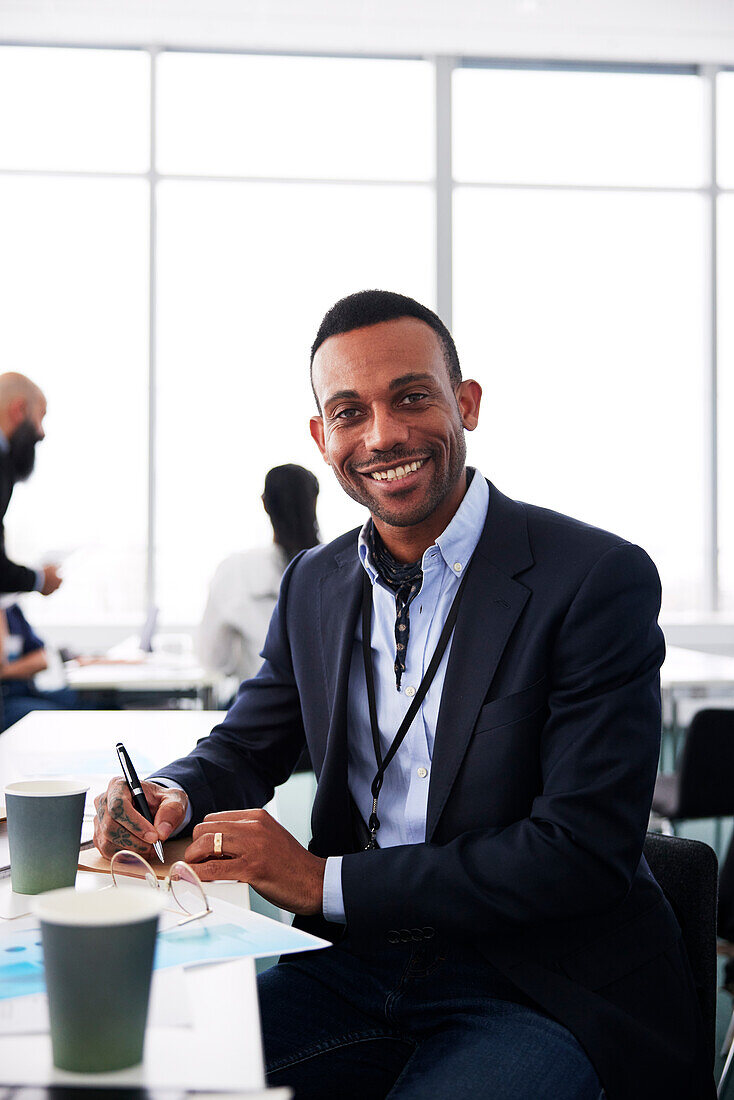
(372, 307)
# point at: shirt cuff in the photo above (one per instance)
(163, 782)
(40, 578)
(333, 900)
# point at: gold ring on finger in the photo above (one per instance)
(217, 844)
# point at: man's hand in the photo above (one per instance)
(119, 825)
(256, 849)
(51, 579)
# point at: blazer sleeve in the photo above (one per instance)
(577, 851)
(14, 578)
(257, 745)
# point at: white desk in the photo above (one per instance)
(221, 1050)
(158, 673)
(692, 671)
(81, 743)
(223, 998)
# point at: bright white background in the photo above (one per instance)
(246, 273)
(579, 295)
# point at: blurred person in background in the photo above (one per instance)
(244, 589)
(22, 409)
(23, 656)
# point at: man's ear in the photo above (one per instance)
(316, 426)
(17, 412)
(469, 398)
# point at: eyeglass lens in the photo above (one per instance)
(187, 890)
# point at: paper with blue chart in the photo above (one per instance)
(230, 932)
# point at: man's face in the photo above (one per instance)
(36, 413)
(392, 423)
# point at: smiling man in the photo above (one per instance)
(477, 683)
(394, 410)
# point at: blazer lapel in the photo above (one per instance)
(339, 605)
(490, 608)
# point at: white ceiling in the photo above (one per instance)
(630, 30)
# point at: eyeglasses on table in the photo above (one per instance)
(130, 871)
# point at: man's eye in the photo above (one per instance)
(345, 414)
(412, 398)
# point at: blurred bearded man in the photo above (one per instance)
(22, 409)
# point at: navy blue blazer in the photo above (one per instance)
(13, 578)
(544, 764)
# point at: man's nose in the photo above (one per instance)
(385, 431)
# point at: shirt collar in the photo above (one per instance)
(458, 542)
(4, 443)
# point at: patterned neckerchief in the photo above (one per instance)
(405, 581)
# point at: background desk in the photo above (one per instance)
(30, 1092)
(159, 676)
(688, 676)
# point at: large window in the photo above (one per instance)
(579, 305)
(325, 191)
(74, 292)
(173, 225)
(725, 325)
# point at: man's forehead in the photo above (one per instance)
(400, 344)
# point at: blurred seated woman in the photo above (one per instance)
(244, 589)
(24, 655)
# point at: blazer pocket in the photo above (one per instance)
(627, 948)
(511, 708)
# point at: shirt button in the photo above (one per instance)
(458, 567)
(410, 692)
(422, 772)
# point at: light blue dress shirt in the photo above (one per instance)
(403, 800)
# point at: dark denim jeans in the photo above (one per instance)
(408, 1022)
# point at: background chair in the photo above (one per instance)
(703, 783)
(687, 873)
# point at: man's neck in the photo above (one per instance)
(407, 544)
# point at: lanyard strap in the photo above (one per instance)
(443, 641)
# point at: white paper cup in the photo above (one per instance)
(98, 953)
(44, 830)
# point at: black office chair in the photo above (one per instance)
(687, 873)
(703, 784)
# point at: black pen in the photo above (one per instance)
(139, 800)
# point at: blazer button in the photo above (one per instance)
(417, 934)
(405, 936)
(428, 932)
(393, 936)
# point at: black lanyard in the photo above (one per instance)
(382, 763)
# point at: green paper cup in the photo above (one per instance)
(98, 958)
(44, 830)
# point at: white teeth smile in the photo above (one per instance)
(397, 472)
